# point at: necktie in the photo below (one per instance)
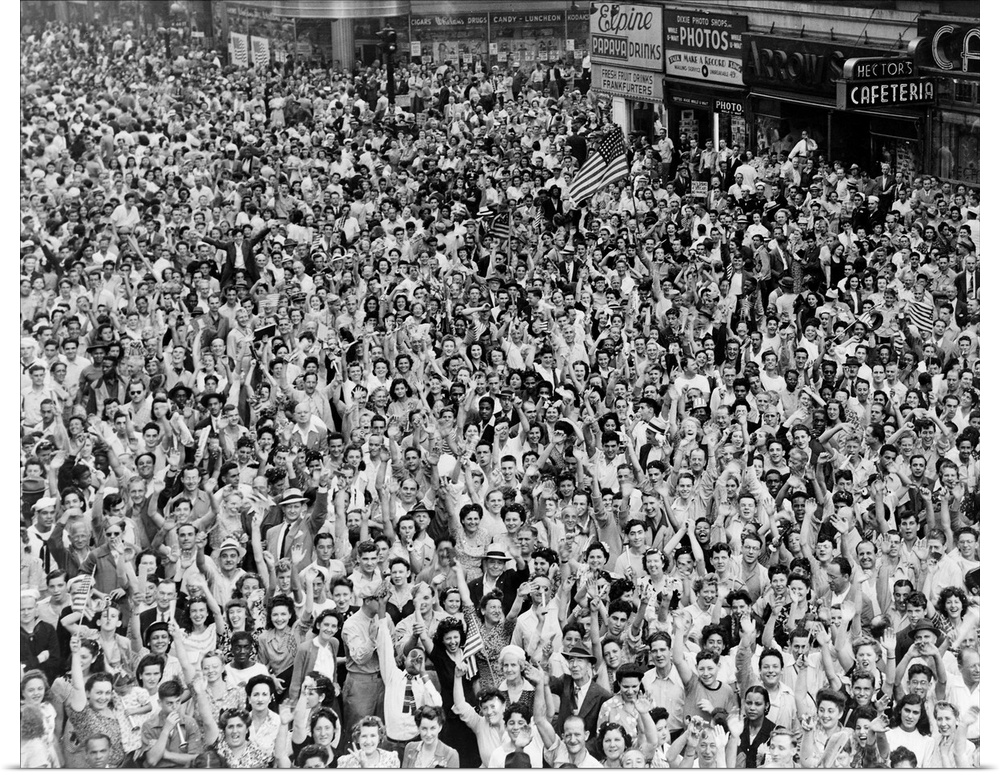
(409, 701)
(576, 698)
(284, 542)
(44, 555)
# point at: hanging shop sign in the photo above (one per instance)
(878, 68)
(704, 46)
(947, 45)
(639, 85)
(796, 64)
(730, 107)
(626, 35)
(900, 93)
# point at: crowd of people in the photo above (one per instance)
(349, 439)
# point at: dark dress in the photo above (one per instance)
(749, 747)
(455, 732)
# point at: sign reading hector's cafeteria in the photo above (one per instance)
(705, 46)
(626, 35)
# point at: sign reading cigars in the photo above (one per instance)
(627, 36)
(705, 46)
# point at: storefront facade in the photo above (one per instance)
(947, 50)
(706, 97)
(626, 42)
(793, 88)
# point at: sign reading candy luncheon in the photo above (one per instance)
(705, 46)
(627, 35)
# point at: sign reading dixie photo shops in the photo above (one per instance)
(796, 65)
(626, 35)
(705, 46)
(638, 85)
(901, 93)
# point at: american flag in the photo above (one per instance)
(80, 594)
(238, 49)
(604, 166)
(261, 48)
(500, 226)
(537, 220)
(473, 643)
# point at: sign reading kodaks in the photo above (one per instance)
(705, 46)
(627, 35)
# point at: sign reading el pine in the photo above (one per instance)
(626, 35)
(705, 46)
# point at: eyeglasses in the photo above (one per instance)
(111, 534)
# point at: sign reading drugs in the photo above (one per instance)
(705, 46)
(626, 35)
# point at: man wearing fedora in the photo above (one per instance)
(579, 694)
(297, 528)
(497, 577)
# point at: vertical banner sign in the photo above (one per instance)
(627, 35)
(238, 53)
(705, 46)
(261, 48)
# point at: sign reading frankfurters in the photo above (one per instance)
(638, 85)
(705, 46)
(627, 35)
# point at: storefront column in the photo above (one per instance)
(715, 131)
(342, 37)
(619, 113)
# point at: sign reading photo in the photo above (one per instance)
(626, 35)
(705, 46)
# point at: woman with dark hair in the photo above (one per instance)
(279, 643)
(952, 605)
(264, 722)
(612, 743)
(318, 653)
(910, 728)
(232, 741)
(755, 728)
(446, 654)
(91, 708)
(317, 693)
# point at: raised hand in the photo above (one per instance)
(643, 704)
(888, 641)
(286, 712)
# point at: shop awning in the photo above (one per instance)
(812, 101)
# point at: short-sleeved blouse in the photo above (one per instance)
(89, 722)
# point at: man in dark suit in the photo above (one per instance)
(171, 605)
(968, 283)
(579, 694)
(496, 578)
(239, 255)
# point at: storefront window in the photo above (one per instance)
(955, 147)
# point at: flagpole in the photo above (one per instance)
(510, 237)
